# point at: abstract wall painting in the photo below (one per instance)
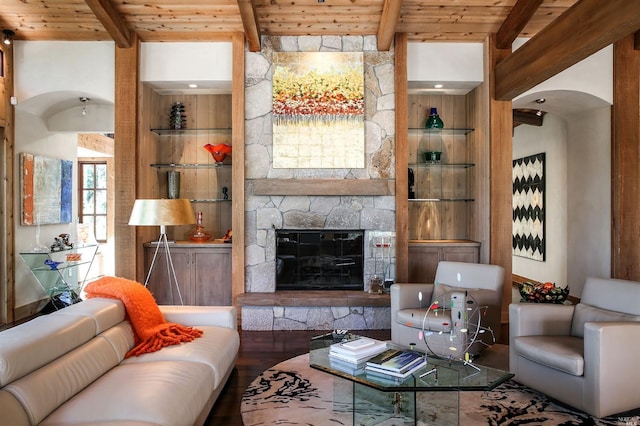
(318, 110)
(528, 207)
(46, 190)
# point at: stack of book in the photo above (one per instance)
(396, 363)
(356, 351)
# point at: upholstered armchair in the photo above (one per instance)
(584, 355)
(482, 282)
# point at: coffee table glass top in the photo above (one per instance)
(447, 374)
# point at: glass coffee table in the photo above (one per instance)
(375, 399)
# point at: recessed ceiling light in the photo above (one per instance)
(541, 100)
(438, 86)
(193, 85)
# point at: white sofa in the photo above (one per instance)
(68, 368)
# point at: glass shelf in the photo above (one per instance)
(170, 132)
(440, 199)
(189, 165)
(445, 131)
(427, 165)
(209, 200)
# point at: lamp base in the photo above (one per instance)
(173, 280)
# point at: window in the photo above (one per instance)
(93, 193)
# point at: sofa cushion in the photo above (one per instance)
(47, 388)
(59, 334)
(584, 313)
(225, 340)
(105, 312)
(564, 353)
(12, 412)
(159, 393)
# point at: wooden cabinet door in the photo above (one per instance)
(211, 276)
(461, 254)
(423, 261)
(163, 288)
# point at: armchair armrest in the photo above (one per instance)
(539, 319)
(222, 316)
(405, 296)
(610, 361)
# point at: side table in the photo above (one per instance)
(57, 272)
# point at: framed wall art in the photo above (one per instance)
(318, 110)
(45, 190)
(529, 207)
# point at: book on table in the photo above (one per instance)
(357, 350)
(381, 372)
(396, 360)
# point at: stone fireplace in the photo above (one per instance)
(326, 200)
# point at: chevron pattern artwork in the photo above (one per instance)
(528, 207)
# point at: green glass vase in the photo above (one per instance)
(433, 120)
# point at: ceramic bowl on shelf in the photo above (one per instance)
(432, 156)
(218, 152)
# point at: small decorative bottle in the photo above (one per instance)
(433, 120)
(199, 234)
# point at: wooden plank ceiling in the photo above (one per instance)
(202, 20)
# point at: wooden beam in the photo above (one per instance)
(636, 40)
(582, 30)
(388, 22)
(500, 186)
(112, 21)
(8, 196)
(128, 251)
(237, 170)
(530, 118)
(402, 159)
(625, 156)
(520, 14)
(380, 187)
(250, 23)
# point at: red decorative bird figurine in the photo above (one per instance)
(219, 152)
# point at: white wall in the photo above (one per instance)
(589, 197)
(552, 140)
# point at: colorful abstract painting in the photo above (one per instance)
(318, 110)
(46, 190)
(528, 207)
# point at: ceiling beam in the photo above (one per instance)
(388, 21)
(250, 23)
(111, 21)
(582, 30)
(518, 18)
(527, 117)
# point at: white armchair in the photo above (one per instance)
(483, 282)
(584, 355)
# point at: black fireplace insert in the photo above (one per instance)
(319, 259)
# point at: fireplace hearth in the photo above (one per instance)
(319, 259)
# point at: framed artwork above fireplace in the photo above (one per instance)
(318, 110)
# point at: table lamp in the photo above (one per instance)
(163, 213)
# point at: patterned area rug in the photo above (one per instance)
(292, 393)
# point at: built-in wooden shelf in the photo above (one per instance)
(314, 298)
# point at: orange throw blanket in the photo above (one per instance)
(152, 331)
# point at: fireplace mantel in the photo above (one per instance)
(314, 298)
(340, 187)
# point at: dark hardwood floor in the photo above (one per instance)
(260, 350)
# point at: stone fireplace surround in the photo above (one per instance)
(338, 199)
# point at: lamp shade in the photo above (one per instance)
(162, 212)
